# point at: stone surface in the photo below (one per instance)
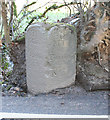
(92, 76)
(50, 57)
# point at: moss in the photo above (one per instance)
(8, 87)
(15, 9)
(1, 82)
(52, 25)
(20, 40)
(71, 27)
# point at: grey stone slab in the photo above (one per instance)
(50, 57)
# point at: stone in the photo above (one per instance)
(50, 57)
(92, 77)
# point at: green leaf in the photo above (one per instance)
(58, 9)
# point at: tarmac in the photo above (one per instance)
(78, 102)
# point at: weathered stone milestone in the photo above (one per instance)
(50, 57)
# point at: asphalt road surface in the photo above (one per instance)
(72, 103)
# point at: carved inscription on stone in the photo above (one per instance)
(51, 57)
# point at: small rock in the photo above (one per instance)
(12, 88)
(17, 89)
(4, 85)
(3, 94)
(62, 103)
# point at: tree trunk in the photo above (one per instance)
(5, 23)
(93, 51)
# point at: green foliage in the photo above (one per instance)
(8, 87)
(15, 9)
(26, 17)
(5, 62)
(1, 82)
(54, 6)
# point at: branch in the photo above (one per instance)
(28, 14)
(15, 9)
(26, 7)
(11, 14)
(43, 5)
(53, 7)
(29, 4)
(21, 19)
(68, 7)
(0, 40)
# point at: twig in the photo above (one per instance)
(28, 13)
(23, 18)
(11, 13)
(26, 7)
(99, 58)
(12, 30)
(29, 4)
(68, 7)
(53, 7)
